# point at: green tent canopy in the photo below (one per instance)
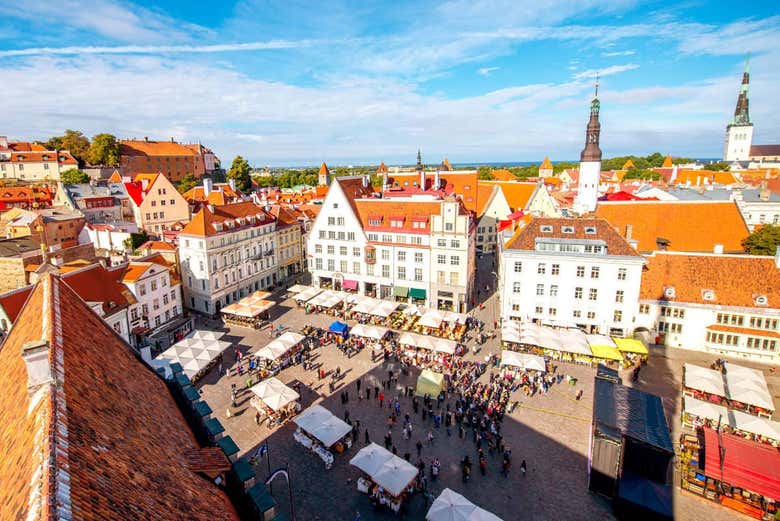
(430, 383)
(417, 293)
(400, 291)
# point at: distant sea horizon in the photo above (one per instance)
(473, 164)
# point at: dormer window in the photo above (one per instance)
(590, 230)
(761, 300)
(568, 229)
(546, 228)
(375, 220)
(669, 292)
(708, 294)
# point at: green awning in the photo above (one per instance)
(227, 445)
(417, 293)
(243, 470)
(400, 291)
(183, 380)
(214, 427)
(176, 368)
(191, 393)
(201, 408)
(262, 500)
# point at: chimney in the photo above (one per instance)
(634, 243)
(629, 229)
(172, 141)
(764, 193)
(208, 185)
(718, 249)
(422, 179)
(36, 357)
(436, 180)
(232, 184)
(146, 139)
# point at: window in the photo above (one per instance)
(454, 260)
(552, 312)
(350, 236)
(441, 243)
(343, 266)
(454, 278)
(590, 230)
(401, 272)
(591, 315)
(567, 229)
(593, 294)
(576, 313)
(454, 244)
(318, 248)
(418, 274)
(418, 257)
(356, 252)
(385, 254)
(580, 271)
(518, 267)
(322, 233)
(402, 256)
(644, 309)
(339, 221)
(541, 268)
(331, 265)
(594, 272)
(546, 228)
(515, 287)
(386, 271)
(448, 227)
(669, 292)
(621, 274)
(441, 259)
(556, 269)
(578, 293)
(331, 249)
(515, 307)
(617, 316)
(331, 221)
(356, 268)
(154, 283)
(317, 264)
(142, 289)
(553, 290)
(540, 289)
(539, 310)
(619, 295)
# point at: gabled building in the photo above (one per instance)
(25, 197)
(492, 208)
(31, 162)
(56, 228)
(87, 431)
(171, 159)
(226, 253)
(105, 204)
(157, 204)
(216, 194)
(573, 273)
(721, 304)
(411, 245)
(289, 240)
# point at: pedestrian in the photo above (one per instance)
(368, 393)
(346, 396)
(357, 383)
(368, 440)
(355, 434)
(505, 468)
(430, 438)
(376, 391)
(482, 465)
(407, 456)
(395, 451)
(346, 415)
(381, 399)
(419, 448)
(523, 467)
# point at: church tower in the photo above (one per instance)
(739, 133)
(590, 162)
(324, 175)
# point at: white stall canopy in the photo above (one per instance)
(363, 330)
(323, 425)
(738, 383)
(431, 318)
(390, 472)
(279, 347)
(566, 340)
(194, 353)
(431, 343)
(307, 294)
(274, 393)
(523, 360)
(735, 419)
(451, 506)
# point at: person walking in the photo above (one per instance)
(381, 399)
(523, 467)
(430, 438)
(368, 440)
(419, 448)
(357, 383)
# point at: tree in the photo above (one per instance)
(104, 150)
(485, 173)
(74, 176)
(73, 141)
(644, 174)
(720, 166)
(763, 241)
(136, 239)
(187, 182)
(239, 172)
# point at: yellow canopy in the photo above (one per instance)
(430, 383)
(606, 352)
(631, 345)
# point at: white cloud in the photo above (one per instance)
(606, 71)
(485, 71)
(617, 53)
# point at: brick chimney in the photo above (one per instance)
(36, 358)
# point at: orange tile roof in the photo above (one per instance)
(61, 156)
(694, 226)
(100, 426)
(115, 177)
(135, 270)
(391, 209)
(202, 223)
(153, 148)
(736, 280)
(667, 162)
(195, 194)
(616, 245)
(463, 184)
(700, 177)
(744, 330)
(546, 164)
(503, 175)
(321, 191)
(628, 164)
(98, 284)
(157, 246)
(324, 168)
(484, 192)
(382, 168)
(518, 193)
(13, 301)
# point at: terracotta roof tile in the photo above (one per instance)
(765, 150)
(157, 246)
(393, 209)
(195, 194)
(744, 330)
(503, 175)
(518, 194)
(203, 223)
(735, 280)
(687, 176)
(546, 164)
(324, 169)
(135, 271)
(13, 301)
(667, 162)
(109, 423)
(688, 225)
(526, 238)
(153, 148)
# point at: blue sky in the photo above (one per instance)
(293, 82)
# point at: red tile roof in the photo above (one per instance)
(409, 211)
(106, 441)
(735, 280)
(13, 301)
(157, 246)
(503, 175)
(203, 223)
(526, 238)
(153, 148)
(61, 156)
(765, 150)
(195, 194)
(517, 193)
(744, 331)
(695, 226)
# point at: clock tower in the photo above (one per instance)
(590, 162)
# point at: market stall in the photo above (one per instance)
(339, 328)
(388, 478)
(278, 353)
(451, 506)
(372, 332)
(275, 400)
(737, 387)
(326, 300)
(430, 383)
(297, 288)
(569, 345)
(698, 413)
(195, 354)
(436, 344)
(523, 361)
(319, 431)
(251, 311)
(306, 295)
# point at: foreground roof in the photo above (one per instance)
(694, 226)
(525, 239)
(153, 148)
(518, 193)
(104, 439)
(228, 217)
(734, 280)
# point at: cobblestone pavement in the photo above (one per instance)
(550, 432)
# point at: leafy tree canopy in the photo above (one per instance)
(73, 141)
(74, 176)
(239, 172)
(485, 173)
(186, 183)
(104, 150)
(763, 241)
(720, 166)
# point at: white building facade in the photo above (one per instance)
(571, 273)
(721, 304)
(739, 132)
(226, 253)
(157, 292)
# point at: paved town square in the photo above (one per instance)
(549, 432)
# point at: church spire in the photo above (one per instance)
(741, 112)
(419, 160)
(592, 152)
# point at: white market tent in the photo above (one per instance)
(201, 334)
(387, 307)
(735, 419)
(431, 318)
(194, 354)
(452, 317)
(368, 306)
(739, 383)
(323, 425)
(703, 379)
(363, 330)
(523, 360)
(451, 506)
(277, 348)
(274, 393)
(568, 340)
(307, 294)
(431, 343)
(600, 340)
(326, 299)
(390, 472)
(298, 288)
